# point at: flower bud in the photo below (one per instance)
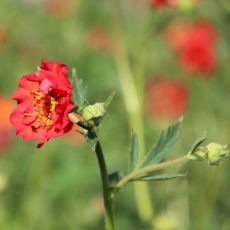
(199, 154)
(94, 114)
(216, 153)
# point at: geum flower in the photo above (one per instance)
(43, 102)
(194, 42)
(175, 3)
(162, 3)
(166, 98)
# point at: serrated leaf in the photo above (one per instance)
(134, 152)
(164, 146)
(159, 177)
(79, 91)
(198, 142)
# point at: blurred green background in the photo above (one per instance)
(58, 186)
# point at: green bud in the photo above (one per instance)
(199, 154)
(216, 153)
(94, 114)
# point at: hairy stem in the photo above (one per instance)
(148, 169)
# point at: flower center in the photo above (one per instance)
(44, 106)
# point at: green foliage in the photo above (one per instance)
(160, 150)
(79, 91)
(159, 177)
(134, 152)
(164, 146)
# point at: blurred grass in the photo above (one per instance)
(58, 187)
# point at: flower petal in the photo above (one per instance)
(43, 101)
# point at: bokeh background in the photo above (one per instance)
(170, 55)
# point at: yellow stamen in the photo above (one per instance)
(44, 106)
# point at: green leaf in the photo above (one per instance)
(164, 146)
(109, 99)
(79, 92)
(197, 143)
(159, 177)
(134, 152)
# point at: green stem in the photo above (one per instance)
(105, 186)
(133, 106)
(148, 169)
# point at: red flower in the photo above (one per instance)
(161, 3)
(198, 58)
(43, 101)
(195, 44)
(176, 3)
(166, 98)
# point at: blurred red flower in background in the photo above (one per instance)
(177, 3)
(43, 101)
(5, 126)
(194, 42)
(160, 3)
(98, 38)
(60, 7)
(166, 98)
(3, 36)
